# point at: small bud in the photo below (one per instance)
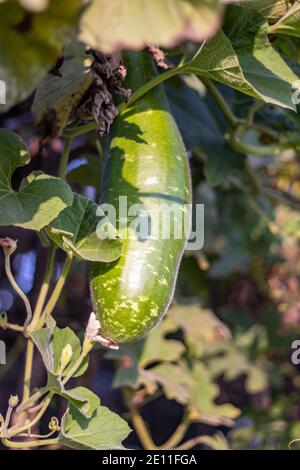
(13, 401)
(54, 424)
(66, 356)
(8, 244)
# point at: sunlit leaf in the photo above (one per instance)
(40, 197)
(104, 430)
(132, 24)
(75, 230)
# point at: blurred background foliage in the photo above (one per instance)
(218, 367)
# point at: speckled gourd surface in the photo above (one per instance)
(146, 162)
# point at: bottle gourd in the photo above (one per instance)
(146, 162)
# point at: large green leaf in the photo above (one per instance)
(132, 24)
(289, 24)
(40, 197)
(104, 430)
(51, 343)
(58, 95)
(32, 42)
(174, 379)
(75, 229)
(242, 57)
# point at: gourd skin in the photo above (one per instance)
(146, 162)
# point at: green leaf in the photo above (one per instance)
(126, 376)
(289, 24)
(203, 395)
(58, 95)
(40, 198)
(200, 326)
(243, 58)
(40, 38)
(104, 430)
(132, 24)
(174, 379)
(233, 363)
(270, 9)
(51, 343)
(81, 399)
(157, 347)
(75, 229)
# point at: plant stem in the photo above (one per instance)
(18, 289)
(252, 111)
(26, 404)
(190, 443)
(56, 292)
(44, 240)
(13, 327)
(44, 288)
(73, 369)
(28, 444)
(139, 424)
(27, 371)
(65, 157)
(15, 430)
(230, 117)
(178, 435)
(36, 316)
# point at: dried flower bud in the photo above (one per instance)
(92, 333)
(92, 328)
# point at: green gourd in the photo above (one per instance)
(146, 161)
